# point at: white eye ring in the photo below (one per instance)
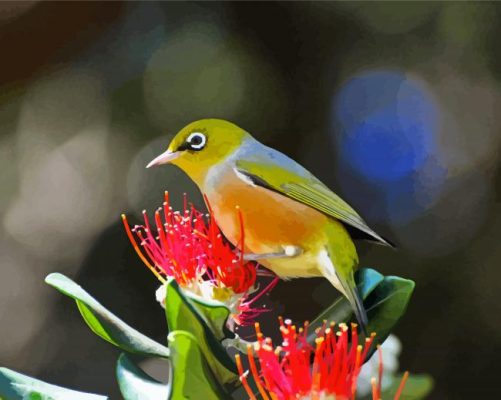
(197, 146)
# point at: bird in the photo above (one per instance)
(294, 224)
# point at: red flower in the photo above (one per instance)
(287, 372)
(189, 247)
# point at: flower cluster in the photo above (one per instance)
(189, 247)
(326, 364)
(287, 372)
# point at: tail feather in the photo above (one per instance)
(357, 305)
(339, 271)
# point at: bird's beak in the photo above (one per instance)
(164, 158)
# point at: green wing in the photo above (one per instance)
(302, 186)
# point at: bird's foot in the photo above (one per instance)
(288, 252)
(292, 251)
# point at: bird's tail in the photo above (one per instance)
(342, 280)
(338, 264)
(357, 304)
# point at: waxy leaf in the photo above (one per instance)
(385, 300)
(135, 384)
(214, 313)
(183, 315)
(386, 304)
(104, 323)
(192, 376)
(16, 386)
(417, 387)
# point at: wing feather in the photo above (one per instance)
(308, 190)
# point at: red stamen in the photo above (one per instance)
(138, 250)
(189, 247)
(255, 374)
(243, 378)
(380, 371)
(285, 372)
(401, 386)
(375, 395)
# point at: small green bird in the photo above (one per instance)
(294, 224)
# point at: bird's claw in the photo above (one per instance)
(292, 251)
(288, 252)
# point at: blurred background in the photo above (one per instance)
(393, 105)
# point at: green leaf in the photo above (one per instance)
(135, 384)
(183, 315)
(16, 386)
(367, 279)
(192, 376)
(105, 324)
(417, 387)
(386, 304)
(214, 313)
(385, 300)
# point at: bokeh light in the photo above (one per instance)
(385, 126)
(61, 148)
(463, 25)
(10, 10)
(388, 124)
(391, 18)
(201, 71)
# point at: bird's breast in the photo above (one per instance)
(270, 220)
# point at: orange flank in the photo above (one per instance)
(277, 221)
(272, 221)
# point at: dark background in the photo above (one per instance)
(393, 105)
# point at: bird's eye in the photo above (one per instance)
(196, 141)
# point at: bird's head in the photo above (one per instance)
(201, 145)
